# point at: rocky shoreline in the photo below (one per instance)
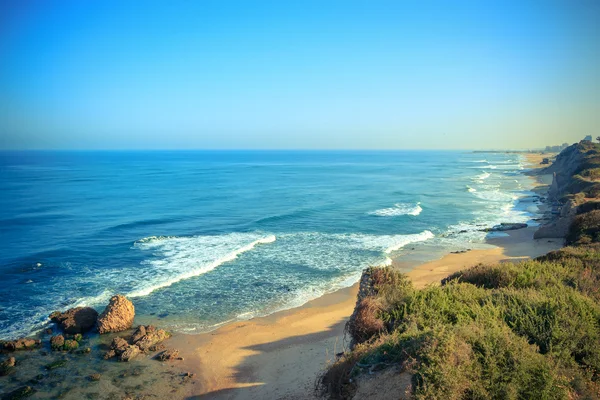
(85, 350)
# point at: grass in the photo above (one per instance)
(513, 331)
(528, 330)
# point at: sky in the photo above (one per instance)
(321, 74)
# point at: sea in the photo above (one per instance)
(197, 239)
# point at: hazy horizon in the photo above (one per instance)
(338, 75)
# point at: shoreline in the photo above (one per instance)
(281, 355)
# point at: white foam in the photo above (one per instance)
(470, 189)
(398, 210)
(181, 258)
(495, 195)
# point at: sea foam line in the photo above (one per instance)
(398, 209)
(201, 270)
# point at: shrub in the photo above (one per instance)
(585, 228)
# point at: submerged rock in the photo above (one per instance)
(75, 320)
(20, 393)
(94, 377)
(117, 316)
(7, 366)
(57, 342)
(21, 344)
(71, 345)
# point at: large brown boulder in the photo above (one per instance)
(117, 316)
(75, 320)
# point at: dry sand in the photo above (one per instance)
(281, 356)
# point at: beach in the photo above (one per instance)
(282, 355)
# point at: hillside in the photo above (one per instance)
(528, 330)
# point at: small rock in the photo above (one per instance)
(7, 366)
(49, 331)
(71, 345)
(94, 377)
(57, 342)
(157, 347)
(117, 316)
(168, 355)
(109, 354)
(21, 344)
(129, 354)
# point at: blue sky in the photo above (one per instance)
(301, 75)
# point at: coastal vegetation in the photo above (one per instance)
(527, 330)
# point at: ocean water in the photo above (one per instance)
(200, 238)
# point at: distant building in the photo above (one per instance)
(588, 138)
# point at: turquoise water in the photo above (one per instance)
(200, 238)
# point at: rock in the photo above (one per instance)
(71, 345)
(139, 333)
(119, 345)
(86, 350)
(94, 377)
(7, 366)
(20, 393)
(75, 320)
(150, 337)
(57, 342)
(56, 364)
(21, 344)
(78, 337)
(117, 316)
(169, 355)
(157, 347)
(109, 354)
(505, 226)
(131, 352)
(121, 348)
(49, 331)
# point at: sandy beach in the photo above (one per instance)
(281, 356)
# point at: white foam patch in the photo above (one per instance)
(398, 210)
(180, 258)
(495, 195)
(470, 189)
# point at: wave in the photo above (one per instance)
(482, 177)
(408, 239)
(496, 196)
(398, 209)
(187, 257)
(484, 167)
(470, 189)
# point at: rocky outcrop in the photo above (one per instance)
(143, 340)
(21, 344)
(559, 226)
(147, 336)
(75, 320)
(505, 226)
(117, 316)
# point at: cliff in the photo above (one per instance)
(575, 181)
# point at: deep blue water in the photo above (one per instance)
(199, 238)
